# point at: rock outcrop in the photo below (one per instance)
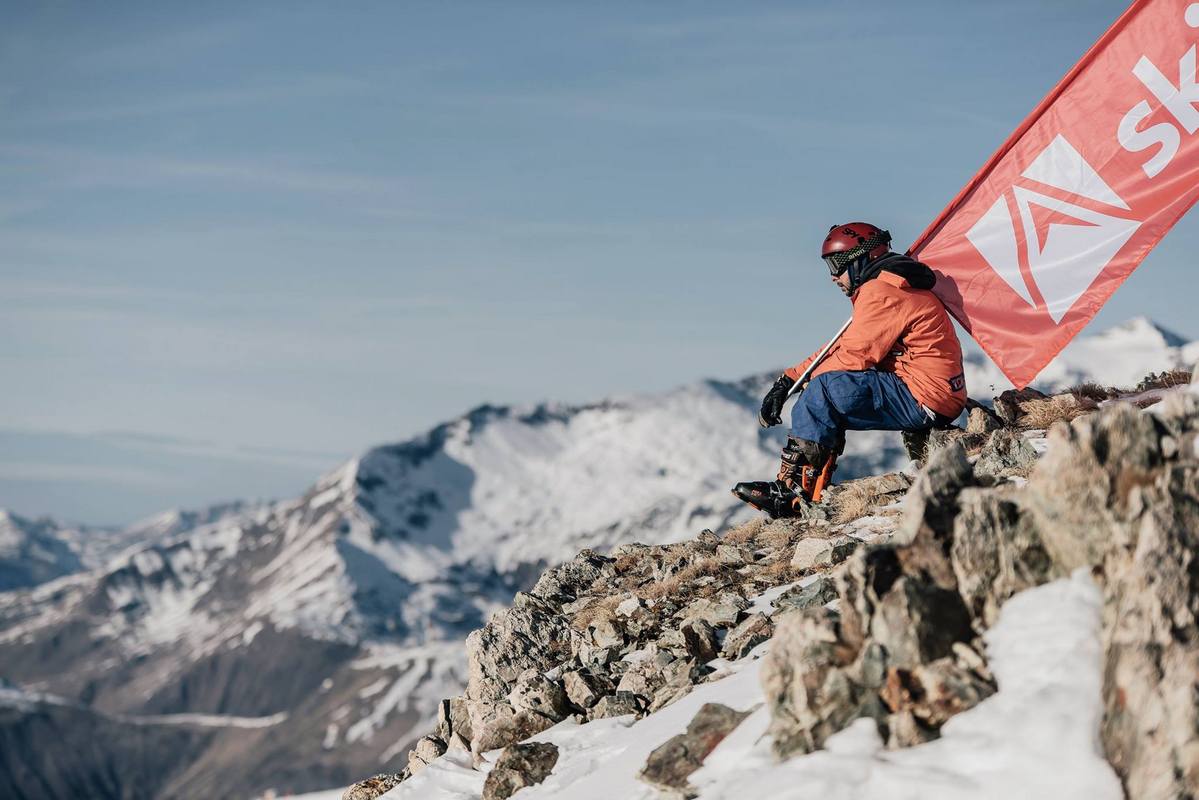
(899, 621)
(374, 787)
(520, 765)
(1116, 493)
(882, 607)
(669, 766)
(1134, 478)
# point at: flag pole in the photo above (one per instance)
(807, 373)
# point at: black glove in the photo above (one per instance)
(772, 404)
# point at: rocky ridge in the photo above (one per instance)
(876, 607)
(297, 645)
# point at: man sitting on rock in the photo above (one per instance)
(898, 366)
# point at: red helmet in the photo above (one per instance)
(846, 245)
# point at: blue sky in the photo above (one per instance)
(304, 229)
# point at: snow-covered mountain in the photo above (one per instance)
(34, 551)
(302, 644)
(335, 620)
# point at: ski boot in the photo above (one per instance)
(774, 497)
(805, 471)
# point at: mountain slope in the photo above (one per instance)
(33, 552)
(336, 618)
(1017, 621)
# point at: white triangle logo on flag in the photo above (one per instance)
(1061, 166)
(1068, 245)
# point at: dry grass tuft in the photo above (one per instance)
(745, 534)
(1041, 414)
(708, 565)
(604, 607)
(779, 534)
(659, 589)
(1092, 391)
(780, 572)
(1164, 380)
(853, 501)
(704, 567)
(626, 563)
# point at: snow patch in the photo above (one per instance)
(1036, 738)
(207, 720)
(373, 689)
(330, 740)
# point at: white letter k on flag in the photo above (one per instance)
(1178, 100)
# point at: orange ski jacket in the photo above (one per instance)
(900, 328)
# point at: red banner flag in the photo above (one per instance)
(1078, 195)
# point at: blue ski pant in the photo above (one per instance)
(859, 401)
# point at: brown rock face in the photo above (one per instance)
(584, 688)
(982, 420)
(497, 724)
(617, 705)
(917, 622)
(1005, 452)
(453, 719)
(1008, 404)
(900, 613)
(1118, 492)
(529, 635)
(806, 683)
(996, 552)
(520, 765)
(537, 693)
(752, 631)
(371, 788)
(427, 749)
(670, 765)
(699, 640)
(566, 582)
(643, 680)
(934, 692)
(817, 593)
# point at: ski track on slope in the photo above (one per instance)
(1036, 738)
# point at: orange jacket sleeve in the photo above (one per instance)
(877, 325)
(794, 372)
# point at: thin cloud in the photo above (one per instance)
(89, 473)
(653, 113)
(78, 166)
(32, 291)
(311, 459)
(311, 87)
(774, 24)
(139, 52)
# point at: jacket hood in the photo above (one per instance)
(918, 275)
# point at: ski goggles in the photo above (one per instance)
(839, 262)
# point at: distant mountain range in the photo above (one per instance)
(302, 644)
